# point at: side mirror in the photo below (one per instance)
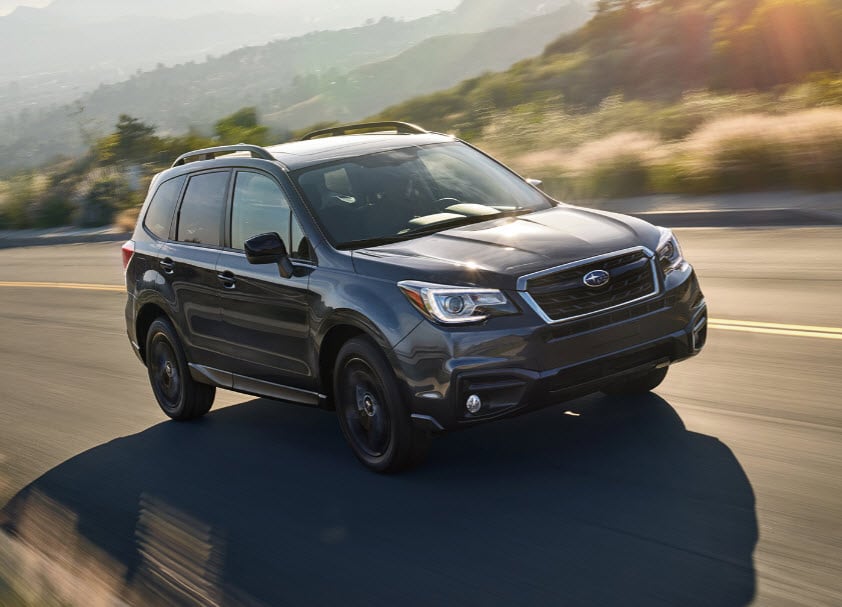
(537, 183)
(269, 248)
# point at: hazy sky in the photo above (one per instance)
(7, 6)
(414, 10)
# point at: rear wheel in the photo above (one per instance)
(639, 384)
(371, 412)
(178, 395)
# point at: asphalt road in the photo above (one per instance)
(724, 488)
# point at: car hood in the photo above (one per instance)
(497, 252)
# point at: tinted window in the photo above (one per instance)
(200, 218)
(159, 216)
(261, 206)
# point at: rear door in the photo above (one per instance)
(264, 316)
(188, 263)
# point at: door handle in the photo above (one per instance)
(228, 280)
(168, 265)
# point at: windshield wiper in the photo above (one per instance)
(432, 228)
(370, 242)
(457, 222)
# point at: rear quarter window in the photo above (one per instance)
(162, 206)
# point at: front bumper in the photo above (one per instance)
(519, 364)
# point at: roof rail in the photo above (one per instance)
(210, 153)
(402, 128)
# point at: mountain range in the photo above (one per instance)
(324, 75)
(53, 54)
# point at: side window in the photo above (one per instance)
(159, 215)
(261, 206)
(200, 217)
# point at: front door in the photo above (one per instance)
(264, 316)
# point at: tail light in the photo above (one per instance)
(128, 253)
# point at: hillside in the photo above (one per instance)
(665, 95)
(55, 54)
(272, 77)
(430, 65)
(653, 50)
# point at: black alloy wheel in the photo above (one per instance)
(164, 374)
(177, 393)
(371, 412)
(366, 418)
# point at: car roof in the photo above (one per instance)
(300, 154)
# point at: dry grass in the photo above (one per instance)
(809, 141)
(801, 149)
(607, 151)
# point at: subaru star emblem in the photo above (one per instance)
(597, 278)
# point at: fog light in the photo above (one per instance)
(473, 404)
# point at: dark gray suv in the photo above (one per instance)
(404, 279)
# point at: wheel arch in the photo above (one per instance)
(345, 326)
(146, 315)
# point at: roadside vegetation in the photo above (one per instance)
(109, 183)
(656, 96)
(702, 144)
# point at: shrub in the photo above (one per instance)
(127, 219)
(53, 210)
(104, 198)
(21, 193)
(760, 152)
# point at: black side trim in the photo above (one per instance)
(256, 387)
(214, 377)
(267, 389)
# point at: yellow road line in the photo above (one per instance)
(63, 285)
(771, 330)
(774, 325)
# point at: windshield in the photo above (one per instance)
(399, 194)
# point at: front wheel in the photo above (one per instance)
(178, 395)
(639, 384)
(372, 414)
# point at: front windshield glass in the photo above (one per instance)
(400, 194)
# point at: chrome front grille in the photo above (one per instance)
(560, 294)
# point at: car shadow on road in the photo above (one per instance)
(599, 502)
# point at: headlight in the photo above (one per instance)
(456, 305)
(669, 252)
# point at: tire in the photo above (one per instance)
(178, 395)
(372, 414)
(640, 384)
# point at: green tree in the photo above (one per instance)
(241, 127)
(133, 141)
